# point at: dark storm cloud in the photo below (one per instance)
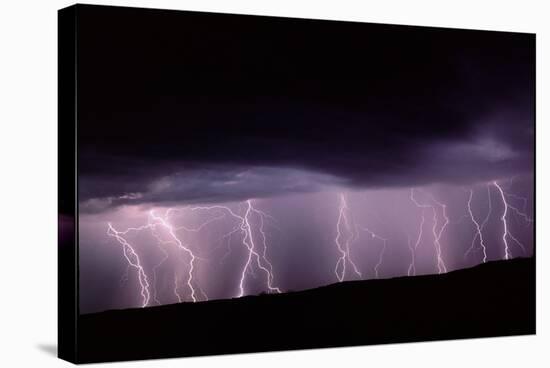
(192, 100)
(206, 185)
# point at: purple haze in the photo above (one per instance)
(300, 234)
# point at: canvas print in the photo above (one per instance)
(235, 183)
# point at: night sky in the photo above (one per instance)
(319, 134)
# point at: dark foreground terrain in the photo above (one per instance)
(493, 299)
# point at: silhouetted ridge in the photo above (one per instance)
(493, 299)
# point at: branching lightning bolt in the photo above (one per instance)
(185, 248)
(411, 270)
(521, 213)
(441, 267)
(262, 216)
(133, 260)
(382, 250)
(412, 267)
(155, 221)
(248, 241)
(423, 207)
(506, 234)
(479, 227)
(344, 248)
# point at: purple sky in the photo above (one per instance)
(300, 235)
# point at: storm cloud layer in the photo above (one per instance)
(197, 107)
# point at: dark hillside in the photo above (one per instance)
(494, 299)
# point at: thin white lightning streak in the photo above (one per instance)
(507, 253)
(441, 268)
(343, 248)
(521, 213)
(382, 250)
(437, 234)
(183, 247)
(248, 242)
(418, 239)
(264, 242)
(242, 228)
(423, 207)
(411, 271)
(485, 220)
(352, 229)
(342, 258)
(507, 233)
(252, 251)
(517, 242)
(479, 228)
(163, 223)
(153, 222)
(127, 248)
(517, 211)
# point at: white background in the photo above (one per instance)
(28, 181)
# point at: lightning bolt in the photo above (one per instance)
(249, 241)
(411, 271)
(382, 250)
(262, 216)
(412, 266)
(479, 228)
(245, 226)
(441, 267)
(504, 222)
(162, 221)
(521, 213)
(133, 260)
(506, 234)
(344, 248)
